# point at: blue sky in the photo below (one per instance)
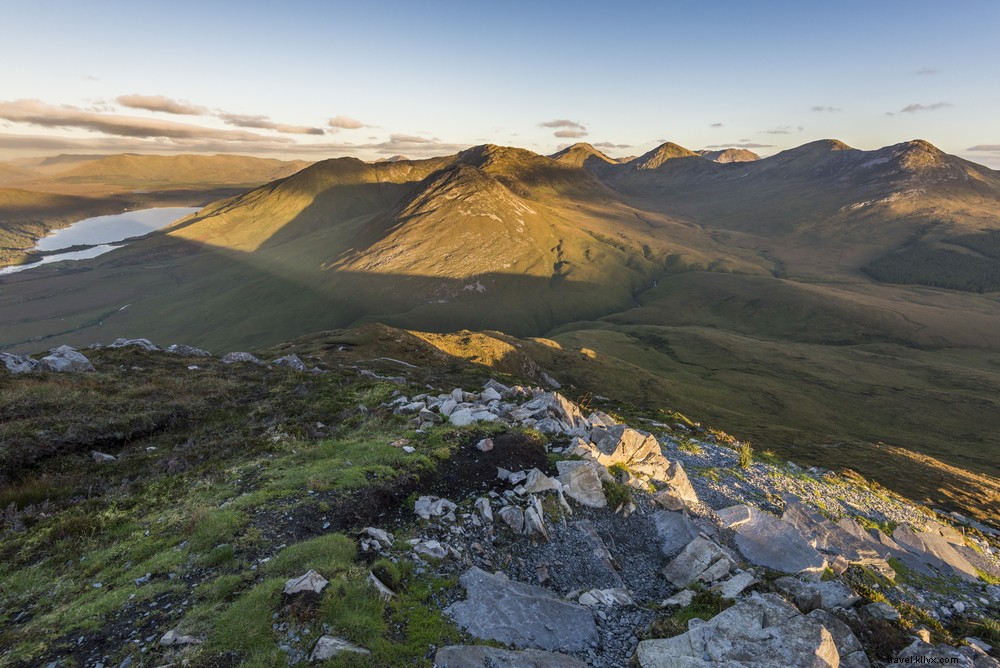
(425, 78)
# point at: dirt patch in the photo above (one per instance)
(469, 471)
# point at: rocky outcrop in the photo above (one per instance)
(768, 541)
(65, 360)
(761, 631)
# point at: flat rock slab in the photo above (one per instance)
(675, 530)
(479, 656)
(521, 615)
(582, 483)
(768, 541)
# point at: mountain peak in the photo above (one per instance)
(580, 153)
(661, 154)
(729, 155)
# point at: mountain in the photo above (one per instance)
(730, 155)
(174, 170)
(660, 155)
(823, 295)
(11, 173)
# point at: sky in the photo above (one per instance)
(327, 79)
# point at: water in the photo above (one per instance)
(100, 232)
(111, 229)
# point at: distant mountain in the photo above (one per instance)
(152, 170)
(729, 155)
(660, 155)
(11, 173)
(583, 155)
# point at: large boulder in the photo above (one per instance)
(187, 351)
(845, 538)
(767, 541)
(145, 344)
(327, 647)
(674, 531)
(481, 656)
(233, 358)
(521, 615)
(762, 631)
(934, 549)
(65, 360)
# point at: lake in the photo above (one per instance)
(101, 231)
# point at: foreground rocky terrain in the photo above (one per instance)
(167, 507)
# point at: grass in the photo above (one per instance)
(744, 452)
(705, 605)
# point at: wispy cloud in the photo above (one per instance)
(608, 144)
(346, 123)
(784, 130)
(926, 71)
(562, 123)
(265, 123)
(161, 103)
(715, 125)
(742, 145)
(825, 109)
(914, 108)
(34, 112)
(985, 147)
(570, 134)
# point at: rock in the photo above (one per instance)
(427, 415)
(312, 582)
(482, 656)
(431, 548)
(848, 646)
(681, 598)
(292, 362)
(606, 597)
(485, 445)
(173, 638)
(550, 381)
(484, 508)
(65, 360)
(809, 596)
(763, 630)
(733, 516)
(767, 541)
(374, 538)
(384, 592)
(581, 482)
(600, 419)
(521, 615)
(924, 653)
(882, 611)
(145, 344)
(695, 559)
(447, 407)
(980, 643)
(232, 358)
(328, 647)
(935, 550)
(500, 388)
(461, 417)
(638, 452)
(427, 506)
(674, 530)
(18, 364)
(716, 571)
(102, 458)
(735, 585)
(489, 394)
(845, 538)
(534, 523)
(539, 482)
(677, 485)
(513, 517)
(187, 351)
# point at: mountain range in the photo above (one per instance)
(823, 295)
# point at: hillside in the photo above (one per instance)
(730, 155)
(373, 498)
(743, 292)
(156, 171)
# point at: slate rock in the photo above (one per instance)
(768, 541)
(145, 344)
(521, 615)
(699, 555)
(309, 583)
(481, 656)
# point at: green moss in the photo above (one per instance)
(208, 527)
(617, 493)
(244, 626)
(705, 605)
